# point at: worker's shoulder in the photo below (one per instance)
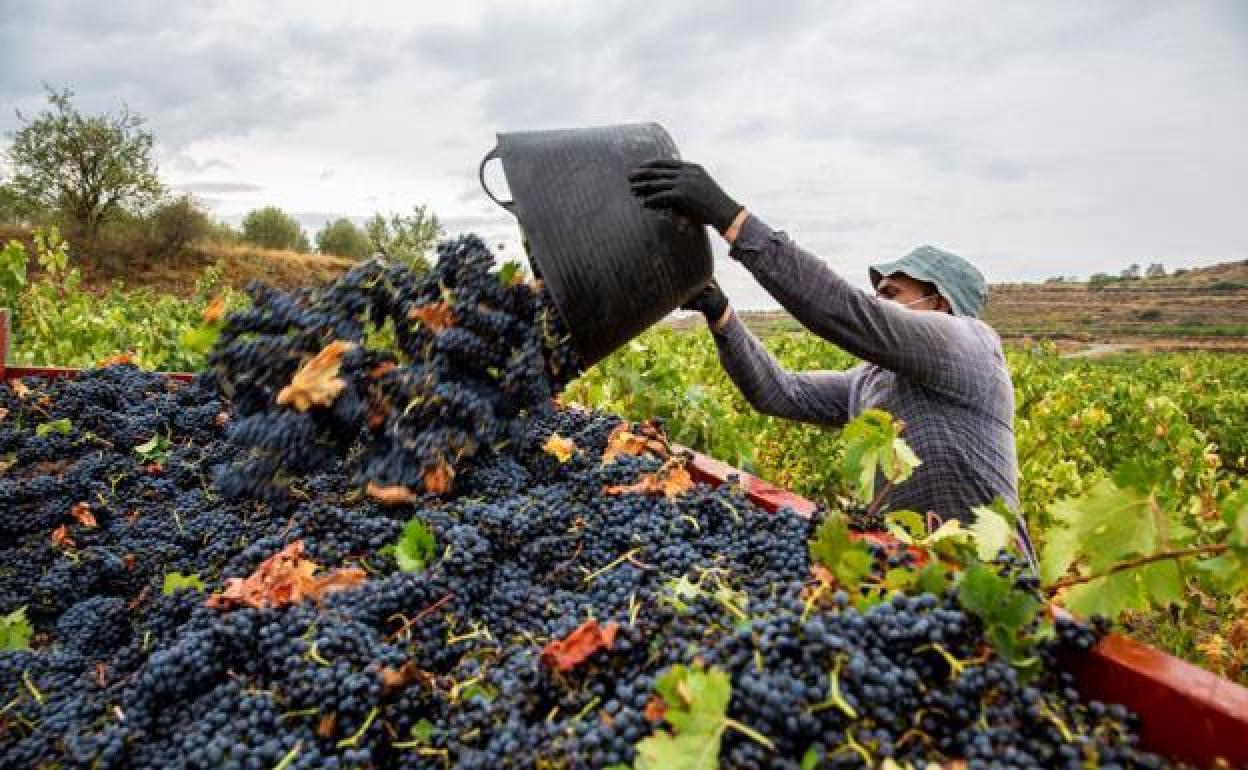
(983, 338)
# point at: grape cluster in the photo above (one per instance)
(470, 355)
(444, 667)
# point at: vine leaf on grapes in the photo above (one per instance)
(671, 481)
(993, 528)
(176, 581)
(61, 538)
(62, 426)
(396, 494)
(395, 679)
(15, 630)
(416, 547)
(696, 706)
(81, 513)
(438, 477)
(648, 437)
(435, 316)
(284, 578)
(1004, 610)
(154, 450)
(874, 446)
(561, 448)
(317, 383)
(949, 540)
(574, 649)
(832, 548)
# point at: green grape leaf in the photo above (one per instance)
(906, 526)
(423, 731)
(15, 630)
(696, 708)
(176, 581)
(201, 338)
(1103, 527)
(1159, 583)
(931, 579)
(810, 760)
(1004, 610)
(847, 559)
(1235, 513)
(155, 448)
(510, 272)
(873, 446)
(62, 426)
(416, 547)
(992, 528)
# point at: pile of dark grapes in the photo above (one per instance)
(444, 667)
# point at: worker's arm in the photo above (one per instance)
(940, 350)
(817, 397)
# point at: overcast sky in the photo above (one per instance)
(1033, 138)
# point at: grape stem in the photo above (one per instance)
(1199, 550)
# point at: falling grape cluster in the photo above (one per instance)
(418, 371)
(539, 613)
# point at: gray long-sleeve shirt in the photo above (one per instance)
(944, 375)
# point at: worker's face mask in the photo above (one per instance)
(912, 302)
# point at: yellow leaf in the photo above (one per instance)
(562, 448)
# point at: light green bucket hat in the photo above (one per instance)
(956, 279)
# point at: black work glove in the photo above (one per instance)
(685, 188)
(710, 302)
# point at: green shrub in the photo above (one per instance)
(344, 238)
(274, 229)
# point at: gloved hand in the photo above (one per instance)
(685, 188)
(710, 302)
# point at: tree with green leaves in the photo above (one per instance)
(344, 238)
(406, 239)
(273, 228)
(87, 167)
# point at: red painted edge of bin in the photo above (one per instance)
(1186, 713)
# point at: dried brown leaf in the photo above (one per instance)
(284, 578)
(574, 649)
(118, 360)
(438, 478)
(668, 481)
(214, 311)
(317, 382)
(436, 316)
(61, 538)
(326, 724)
(656, 707)
(392, 495)
(395, 679)
(83, 515)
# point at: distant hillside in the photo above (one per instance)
(242, 263)
(1204, 307)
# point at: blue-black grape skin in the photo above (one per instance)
(132, 678)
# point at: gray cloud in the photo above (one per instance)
(217, 187)
(191, 71)
(1037, 138)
